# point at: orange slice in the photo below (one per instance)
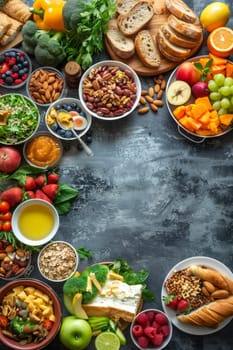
(220, 42)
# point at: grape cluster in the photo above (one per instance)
(221, 93)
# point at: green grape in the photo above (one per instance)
(215, 96)
(225, 103)
(225, 90)
(232, 101)
(228, 81)
(231, 87)
(212, 86)
(219, 79)
(222, 111)
(216, 105)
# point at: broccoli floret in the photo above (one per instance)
(75, 285)
(49, 50)
(72, 13)
(29, 32)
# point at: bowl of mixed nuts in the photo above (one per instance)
(45, 85)
(110, 90)
(58, 261)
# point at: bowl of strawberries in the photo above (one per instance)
(151, 329)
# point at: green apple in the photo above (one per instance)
(75, 333)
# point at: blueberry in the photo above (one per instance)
(21, 72)
(82, 113)
(25, 63)
(57, 107)
(54, 126)
(74, 105)
(68, 134)
(64, 106)
(15, 68)
(9, 80)
(20, 66)
(8, 73)
(69, 108)
(61, 132)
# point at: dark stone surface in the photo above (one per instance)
(154, 198)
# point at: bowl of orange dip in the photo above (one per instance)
(43, 150)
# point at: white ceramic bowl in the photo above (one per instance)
(120, 108)
(19, 105)
(154, 323)
(43, 150)
(35, 222)
(18, 71)
(67, 104)
(50, 91)
(58, 261)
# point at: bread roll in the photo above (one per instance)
(139, 15)
(182, 11)
(146, 49)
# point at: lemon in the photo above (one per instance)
(178, 93)
(107, 341)
(215, 15)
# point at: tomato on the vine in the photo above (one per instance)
(6, 216)
(6, 226)
(0, 225)
(4, 206)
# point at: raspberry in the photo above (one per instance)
(165, 330)
(150, 315)
(158, 339)
(150, 332)
(161, 318)
(156, 326)
(137, 330)
(143, 341)
(142, 319)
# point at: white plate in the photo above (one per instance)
(197, 260)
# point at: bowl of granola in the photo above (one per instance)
(58, 261)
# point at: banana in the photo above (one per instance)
(178, 93)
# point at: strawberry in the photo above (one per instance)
(41, 195)
(171, 301)
(50, 190)
(160, 318)
(13, 195)
(143, 341)
(29, 183)
(183, 305)
(30, 194)
(53, 178)
(137, 330)
(4, 68)
(40, 180)
(158, 339)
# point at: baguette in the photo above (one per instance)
(123, 46)
(171, 49)
(218, 279)
(17, 9)
(123, 7)
(176, 38)
(189, 30)
(146, 49)
(209, 315)
(139, 15)
(182, 11)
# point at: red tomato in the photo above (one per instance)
(47, 324)
(0, 225)
(3, 321)
(4, 206)
(6, 226)
(6, 217)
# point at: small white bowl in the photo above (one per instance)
(35, 217)
(58, 261)
(149, 322)
(95, 75)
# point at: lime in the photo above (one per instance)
(107, 341)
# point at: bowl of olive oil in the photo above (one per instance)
(35, 222)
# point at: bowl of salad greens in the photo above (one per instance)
(19, 119)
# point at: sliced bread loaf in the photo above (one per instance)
(123, 6)
(170, 48)
(122, 46)
(139, 15)
(146, 49)
(191, 31)
(179, 9)
(176, 38)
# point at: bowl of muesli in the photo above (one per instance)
(58, 261)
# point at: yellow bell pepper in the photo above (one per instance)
(47, 14)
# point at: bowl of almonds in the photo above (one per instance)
(45, 85)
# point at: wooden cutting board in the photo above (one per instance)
(160, 17)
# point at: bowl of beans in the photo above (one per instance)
(109, 90)
(30, 314)
(58, 261)
(45, 85)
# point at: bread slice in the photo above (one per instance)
(170, 48)
(12, 32)
(123, 46)
(179, 9)
(176, 38)
(189, 30)
(146, 49)
(139, 15)
(165, 54)
(123, 6)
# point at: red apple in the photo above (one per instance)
(188, 72)
(200, 89)
(10, 159)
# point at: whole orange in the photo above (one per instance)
(220, 42)
(215, 15)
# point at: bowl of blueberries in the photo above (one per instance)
(65, 117)
(15, 68)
